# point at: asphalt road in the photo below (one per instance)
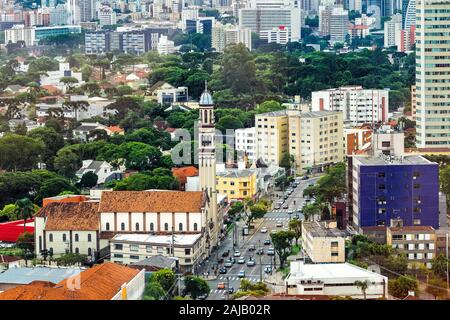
(256, 238)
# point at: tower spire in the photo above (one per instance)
(206, 86)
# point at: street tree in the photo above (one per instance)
(400, 287)
(296, 227)
(282, 241)
(195, 286)
(166, 278)
(439, 265)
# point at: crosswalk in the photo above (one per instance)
(251, 279)
(277, 219)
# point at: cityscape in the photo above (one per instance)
(224, 150)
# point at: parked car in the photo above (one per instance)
(267, 269)
(236, 253)
(202, 297)
(241, 260)
(228, 264)
(221, 285)
(223, 270)
(251, 262)
(277, 206)
(264, 230)
(260, 251)
(270, 251)
(267, 242)
(241, 274)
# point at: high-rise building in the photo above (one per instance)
(278, 35)
(408, 14)
(393, 31)
(324, 20)
(20, 33)
(106, 16)
(59, 15)
(87, 10)
(432, 74)
(358, 105)
(339, 25)
(73, 11)
(223, 35)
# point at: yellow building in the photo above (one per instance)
(237, 184)
(272, 136)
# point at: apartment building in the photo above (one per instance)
(245, 141)
(223, 35)
(97, 42)
(106, 16)
(237, 184)
(339, 25)
(432, 74)
(357, 140)
(393, 31)
(323, 242)
(188, 249)
(417, 242)
(272, 136)
(392, 189)
(358, 105)
(278, 35)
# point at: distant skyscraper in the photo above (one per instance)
(74, 12)
(87, 10)
(408, 14)
(339, 24)
(432, 74)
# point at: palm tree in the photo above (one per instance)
(25, 209)
(363, 285)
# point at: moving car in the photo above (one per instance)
(251, 247)
(250, 262)
(241, 260)
(221, 285)
(264, 230)
(260, 251)
(305, 178)
(267, 241)
(230, 290)
(202, 297)
(223, 270)
(286, 206)
(277, 206)
(226, 253)
(228, 264)
(270, 251)
(241, 274)
(237, 253)
(267, 269)
(279, 224)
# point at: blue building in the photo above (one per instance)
(391, 191)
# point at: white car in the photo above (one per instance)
(264, 230)
(237, 253)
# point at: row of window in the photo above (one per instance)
(152, 227)
(64, 237)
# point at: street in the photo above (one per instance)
(256, 238)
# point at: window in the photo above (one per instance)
(334, 244)
(134, 257)
(134, 247)
(76, 237)
(381, 186)
(107, 226)
(195, 226)
(89, 252)
(385, 144)
(64, 237)
(416, 221)
(166, 226)
(416, 186)
(118, 246)
(180, 227)
(160, 250)
(381, 174)
(50, 237)
(77, 251)
(187, 251)
(89, 238)
(50, 251)
(334, 254)
(122, 226)
(152, 226)
(137, 226)
(117, 255)
(148, 249)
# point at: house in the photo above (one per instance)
(8, 262)
(166, 94)
(182, 173)
(64, 198)
(107, 281)
(68, 227)
(16, 277)
(334, 279)
(53, 78)
(82, 132)
(29, 124)
(104, 171)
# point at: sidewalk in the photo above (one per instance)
(276, 282)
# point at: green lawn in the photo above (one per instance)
(11, 251)
(295, 250)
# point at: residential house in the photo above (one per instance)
(104, 171)
(83, 131)
(182, 173)
(166, 94)
(237, 184)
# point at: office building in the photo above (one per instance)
(334, 279)
(223, 35)
(388, 190)
(339, 25)
(97, 42)
(165, 46)
(324, 20)
(87, 10)
(278, 35)
(106, 16)
(408, 14)
(323, 242)
(432, 74)
(358, 105)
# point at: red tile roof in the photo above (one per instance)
(182, 173)
(151, 201)
(115, 129)
(101, 282)
(61, 216)
(10, 231)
